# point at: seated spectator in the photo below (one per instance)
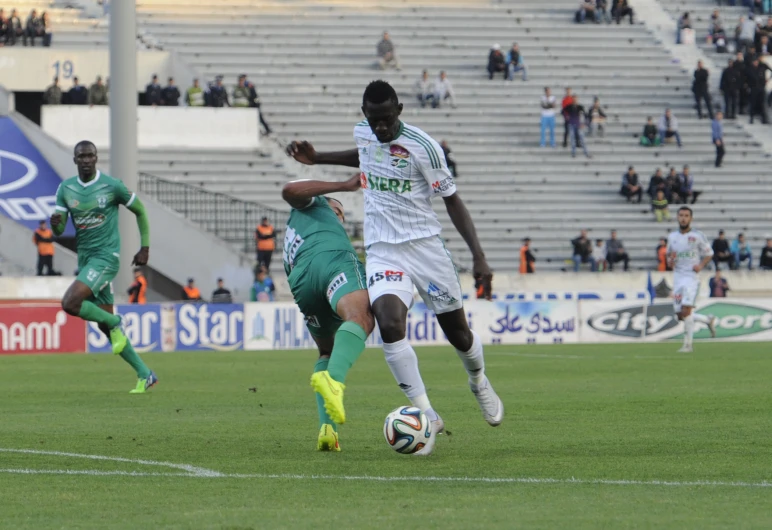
(33, 28)
(718, 36)
(673, 187)
(496, 62)
(715, 18)
(660, 205)
(153, 92)
(190, 292)
(601, 6)
(443, 89)
(449, 158)
(764, 47)
(582, 251)
(527, 260)
(53, 94)
(721, 252)
(649, 136)
(741, 251)
(596, 118)
(221, 295)
(195, 96)
(170, 95)
(656, 183)
(387, 55)
(48, 30)
(684, 22)
(662, 264)
(765, 262)
(97, 94)
(515, 63)
(424, 89)
(686, 192)
(263, 288)
(718, 286)
(620, 10)
(631, 186)
(218, 95)
(14, 28)
(78, 94)
(668, 127)
(588, 7)
(616, 252)
(599, 253)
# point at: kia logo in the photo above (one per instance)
(13, 177)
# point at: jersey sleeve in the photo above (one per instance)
(61, 204)
(706, 249)
(670, 241)
(122, 194)
(430, 160)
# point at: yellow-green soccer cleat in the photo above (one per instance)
(143, 385)
(118, 338)
(328, 439)
(332, 393)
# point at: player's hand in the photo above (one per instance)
(303, 152)
(483, 272)
(141, 257)
(697, 268)
(354, 183)
(56, 219)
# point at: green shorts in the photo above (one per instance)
(98, 273)
(318, 285)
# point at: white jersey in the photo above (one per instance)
(399, 179)
(690, 248)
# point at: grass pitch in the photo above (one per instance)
(652, 427)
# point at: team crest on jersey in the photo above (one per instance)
(102, 201)
(379, 154)
(73, 203)
(399, 156)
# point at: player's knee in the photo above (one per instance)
(366, 321)
(392, 328)
(461, 339)
(71, 305)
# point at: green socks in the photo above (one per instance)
(321, 366)
(349, 345)
(93, 313)
(130, 356)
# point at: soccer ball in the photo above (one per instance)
(407, 429)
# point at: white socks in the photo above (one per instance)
(705, 319)
(473, 361)
(403, 363)
(688, 330)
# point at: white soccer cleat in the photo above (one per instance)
(712, 326)
(490, 404)
(685, 349)
(438, 426)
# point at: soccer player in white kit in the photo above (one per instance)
(403, 168)
(688, 253)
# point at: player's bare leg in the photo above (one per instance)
(146, 377)
(470, 351)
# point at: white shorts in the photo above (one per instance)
(685, 291)
(424, 264)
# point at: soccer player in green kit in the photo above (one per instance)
(327, 281)
(92, 200)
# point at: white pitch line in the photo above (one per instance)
(95, 472)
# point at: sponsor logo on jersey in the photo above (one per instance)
(388, 275)
(376, 183)
(442, 185)
(399, 156)
(312, 321)
(89, 221)
(438, 295)
(339, 281)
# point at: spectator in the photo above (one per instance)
(15, 29)
(718, 137)
(387, 56)
(190, 292)
(97, 94)
(757, 81)
(715, 18)
(221, 295)
(616, 252)
(588, 7)
(194, 96)
(515, 63)
(153, 92)
(3, 27)
(631, 185)
(254, 102)
(218, 96)
(576, 118)
(240, 94)
(684, 22)
(746, 33)
(687, 190)
(765, 262)
(620, 10)
(33, 28)
(649, 137)
(741, 251)
(449, 158)
(443, 89)
(718, 286)
(44, 241)
(496, 62)
(656, 183)
(53, 94)
(599, 254)
(660, 205)
(730, 86)
(138, 289)
(668, 127)
(567, 100)
(582, 251)
(424, 89)
(601, 6)
(78, 94)
(548, 104)
(527, 260)
(48, 30)
(700, 89)
(596, 118)
(763, 48)
(673, 186)
(718, 36)
(721, 252)
(662, 264)
(741, 73)
(265, 236)
(170, 95)
(263, 288)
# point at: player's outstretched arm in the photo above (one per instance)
(138, 209)
(305, 153)
(299, 193)
(465, 226)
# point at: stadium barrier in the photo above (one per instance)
(45, 328)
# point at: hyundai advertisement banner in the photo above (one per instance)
(28, 183)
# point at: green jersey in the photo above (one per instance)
(93, 207)
(311, 230)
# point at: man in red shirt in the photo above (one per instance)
(567, 101)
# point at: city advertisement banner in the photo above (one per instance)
(40, 329)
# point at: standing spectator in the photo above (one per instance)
(218, 96)
(649, 137)
(515, 63)
(3, 28)
(33, 28)
(170, 95)
(700, 89)
(687, 190)
(527, 260)
(48, 30)
(153, 92)
(240, 94)
(718, 137)
(53, 94)
(567, 100)
(656, 183)
(194, 96)
(765, 262)
(496, 62)
(616, 252)
(757, 81)
(387, 56)
(138, 289)
(660, 205)
(763, 49)
(424, 89)
(190, 292)
(78, 94)
(548, 104)
(449, 158)
(747, 33)
(599, 254)
(582, 251)
(576, 118)
(620, 10)
(721, 252)
(15, 29)
(662, 264)
(254, 102)
(44, 241)
(443, 90)
(596, 118)
(668, 127)
(263, 288)
(673, 186)
(730, 87)
(97, 94)
(741, 251)
(221, 295)
(741, 72)
(718, 286)
(265, 236)
(631, 185)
